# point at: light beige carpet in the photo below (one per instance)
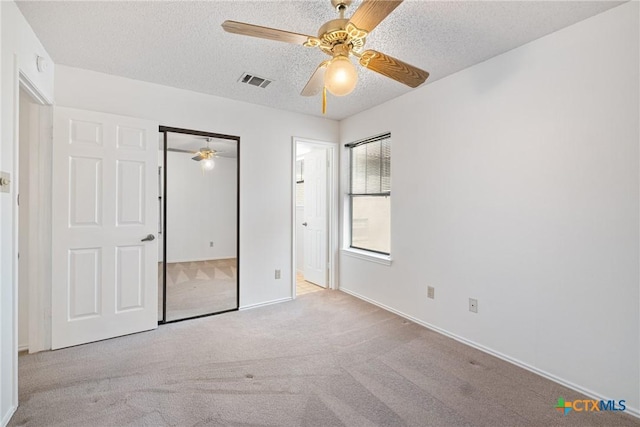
(197, 288)
(324, 359)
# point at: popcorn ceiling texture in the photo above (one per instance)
(182, 44)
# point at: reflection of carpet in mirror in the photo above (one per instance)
(196, 288)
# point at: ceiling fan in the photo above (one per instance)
(341, 38)
(204, 154)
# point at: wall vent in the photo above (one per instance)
(254, 80)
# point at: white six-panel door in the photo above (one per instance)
(105, 196)
(315, 216)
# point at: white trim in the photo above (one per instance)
(333, 206)
(39, 223)
(32, 90)
(12, 410)
(40, 290)
(263, 304)
(15, 226)
(367, 256)
(18, 80)
(23, 347)
(590, 393)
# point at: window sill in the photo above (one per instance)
(367, 256)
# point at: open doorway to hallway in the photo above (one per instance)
(33, 168)
(314, 204)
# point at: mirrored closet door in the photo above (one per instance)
(198, 268)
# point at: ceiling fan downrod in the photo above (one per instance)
(341, 6)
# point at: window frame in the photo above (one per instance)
(360, 252)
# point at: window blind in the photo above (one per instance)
(371, 166)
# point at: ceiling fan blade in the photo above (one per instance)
(198, 157)
(393, 68)
(264, 32)
(316, 82)
(179, 150)
(372, 12)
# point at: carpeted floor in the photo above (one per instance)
(199, 287)
(324, 359)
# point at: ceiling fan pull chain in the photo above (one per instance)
(324, 100)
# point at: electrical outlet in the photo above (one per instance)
(277, 274)
(210, 244)
(473, 305)
(431, 292)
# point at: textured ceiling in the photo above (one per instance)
(181, 44)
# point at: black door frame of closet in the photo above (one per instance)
(165, 130)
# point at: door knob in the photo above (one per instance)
(304, 223)
(149, 238)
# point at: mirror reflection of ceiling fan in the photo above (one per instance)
(342, 38)
(204, 155)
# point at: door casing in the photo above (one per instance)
(39, 226)
(332, 208)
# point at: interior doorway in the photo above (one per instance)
(33, 236)
(314, 203)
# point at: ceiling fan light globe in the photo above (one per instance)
(208, 164)
(341, 76)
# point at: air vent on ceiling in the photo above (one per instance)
(254, 80)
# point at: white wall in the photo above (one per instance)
(201, 208)
(265, 160)
(19, 48)
(516, 182)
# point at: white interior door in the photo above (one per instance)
(315, 217)
(105, 195)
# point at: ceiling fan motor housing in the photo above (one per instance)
(339, 34)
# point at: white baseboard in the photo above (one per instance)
(263, 304)
(23, 347)
(590, 393)
(7, 417)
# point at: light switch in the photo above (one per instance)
(5, 182)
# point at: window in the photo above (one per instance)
(370, 194)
